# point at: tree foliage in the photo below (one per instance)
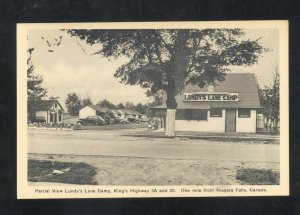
(167, 59)
(106, 104)
(269, 98)
(73, 104)
(35, 91)
(141, 108)
(120, 106)
(157, 100)
(129, 105)
(86, 101)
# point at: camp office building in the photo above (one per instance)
(229, 106)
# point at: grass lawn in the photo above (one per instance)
(105, 170)
(258, 176)
(62, 172)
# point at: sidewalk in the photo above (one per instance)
(204, 135)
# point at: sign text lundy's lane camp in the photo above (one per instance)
(209, 96)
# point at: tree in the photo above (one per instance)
(34, 89)
(157, 100)
(168, 59)
(73, 104)
(141, 108)
(86, 101)
(120, 106)
(269, 98)
(129, 105)
(106, 104)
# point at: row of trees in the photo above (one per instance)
(74, 103)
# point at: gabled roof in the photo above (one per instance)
(114, 111)
(98, 108)
(130, 112)
(125, 111)
(119, 112)
(135, 112)
(242, 83)
(41, 105)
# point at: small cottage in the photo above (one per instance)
(124, 113)
(48, 111)
(93, 110)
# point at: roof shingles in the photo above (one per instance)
(41, 105)
(242, 83)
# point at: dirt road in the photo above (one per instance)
(112, 143)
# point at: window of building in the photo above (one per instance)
(244, 113)
(191, 114)
(55, 105)
(59, 117)
(216, 112)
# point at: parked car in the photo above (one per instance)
(119, 120)
(132, 119)
(124, 121)
(91, 120)
(108, 120)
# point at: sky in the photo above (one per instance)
(72, 67)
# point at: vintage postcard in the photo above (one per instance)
(153, 109)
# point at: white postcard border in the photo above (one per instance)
(26, 191)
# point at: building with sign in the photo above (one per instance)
(229, 106)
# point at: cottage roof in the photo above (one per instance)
(135, 112)
(98, 108)
(42, 105)
(242, 83)
(125, 111)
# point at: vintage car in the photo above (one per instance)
(119, 120)
(132, 119)
(91, 120)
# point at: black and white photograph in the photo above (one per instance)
(154, 109)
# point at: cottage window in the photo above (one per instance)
(244, 113)
(55, 105)
(191, 114)
(216, 112)
(59, 117)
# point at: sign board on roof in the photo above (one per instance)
(210, 96)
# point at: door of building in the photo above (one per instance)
(230, 120)
(54, 118)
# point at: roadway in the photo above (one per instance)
(112, 143)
